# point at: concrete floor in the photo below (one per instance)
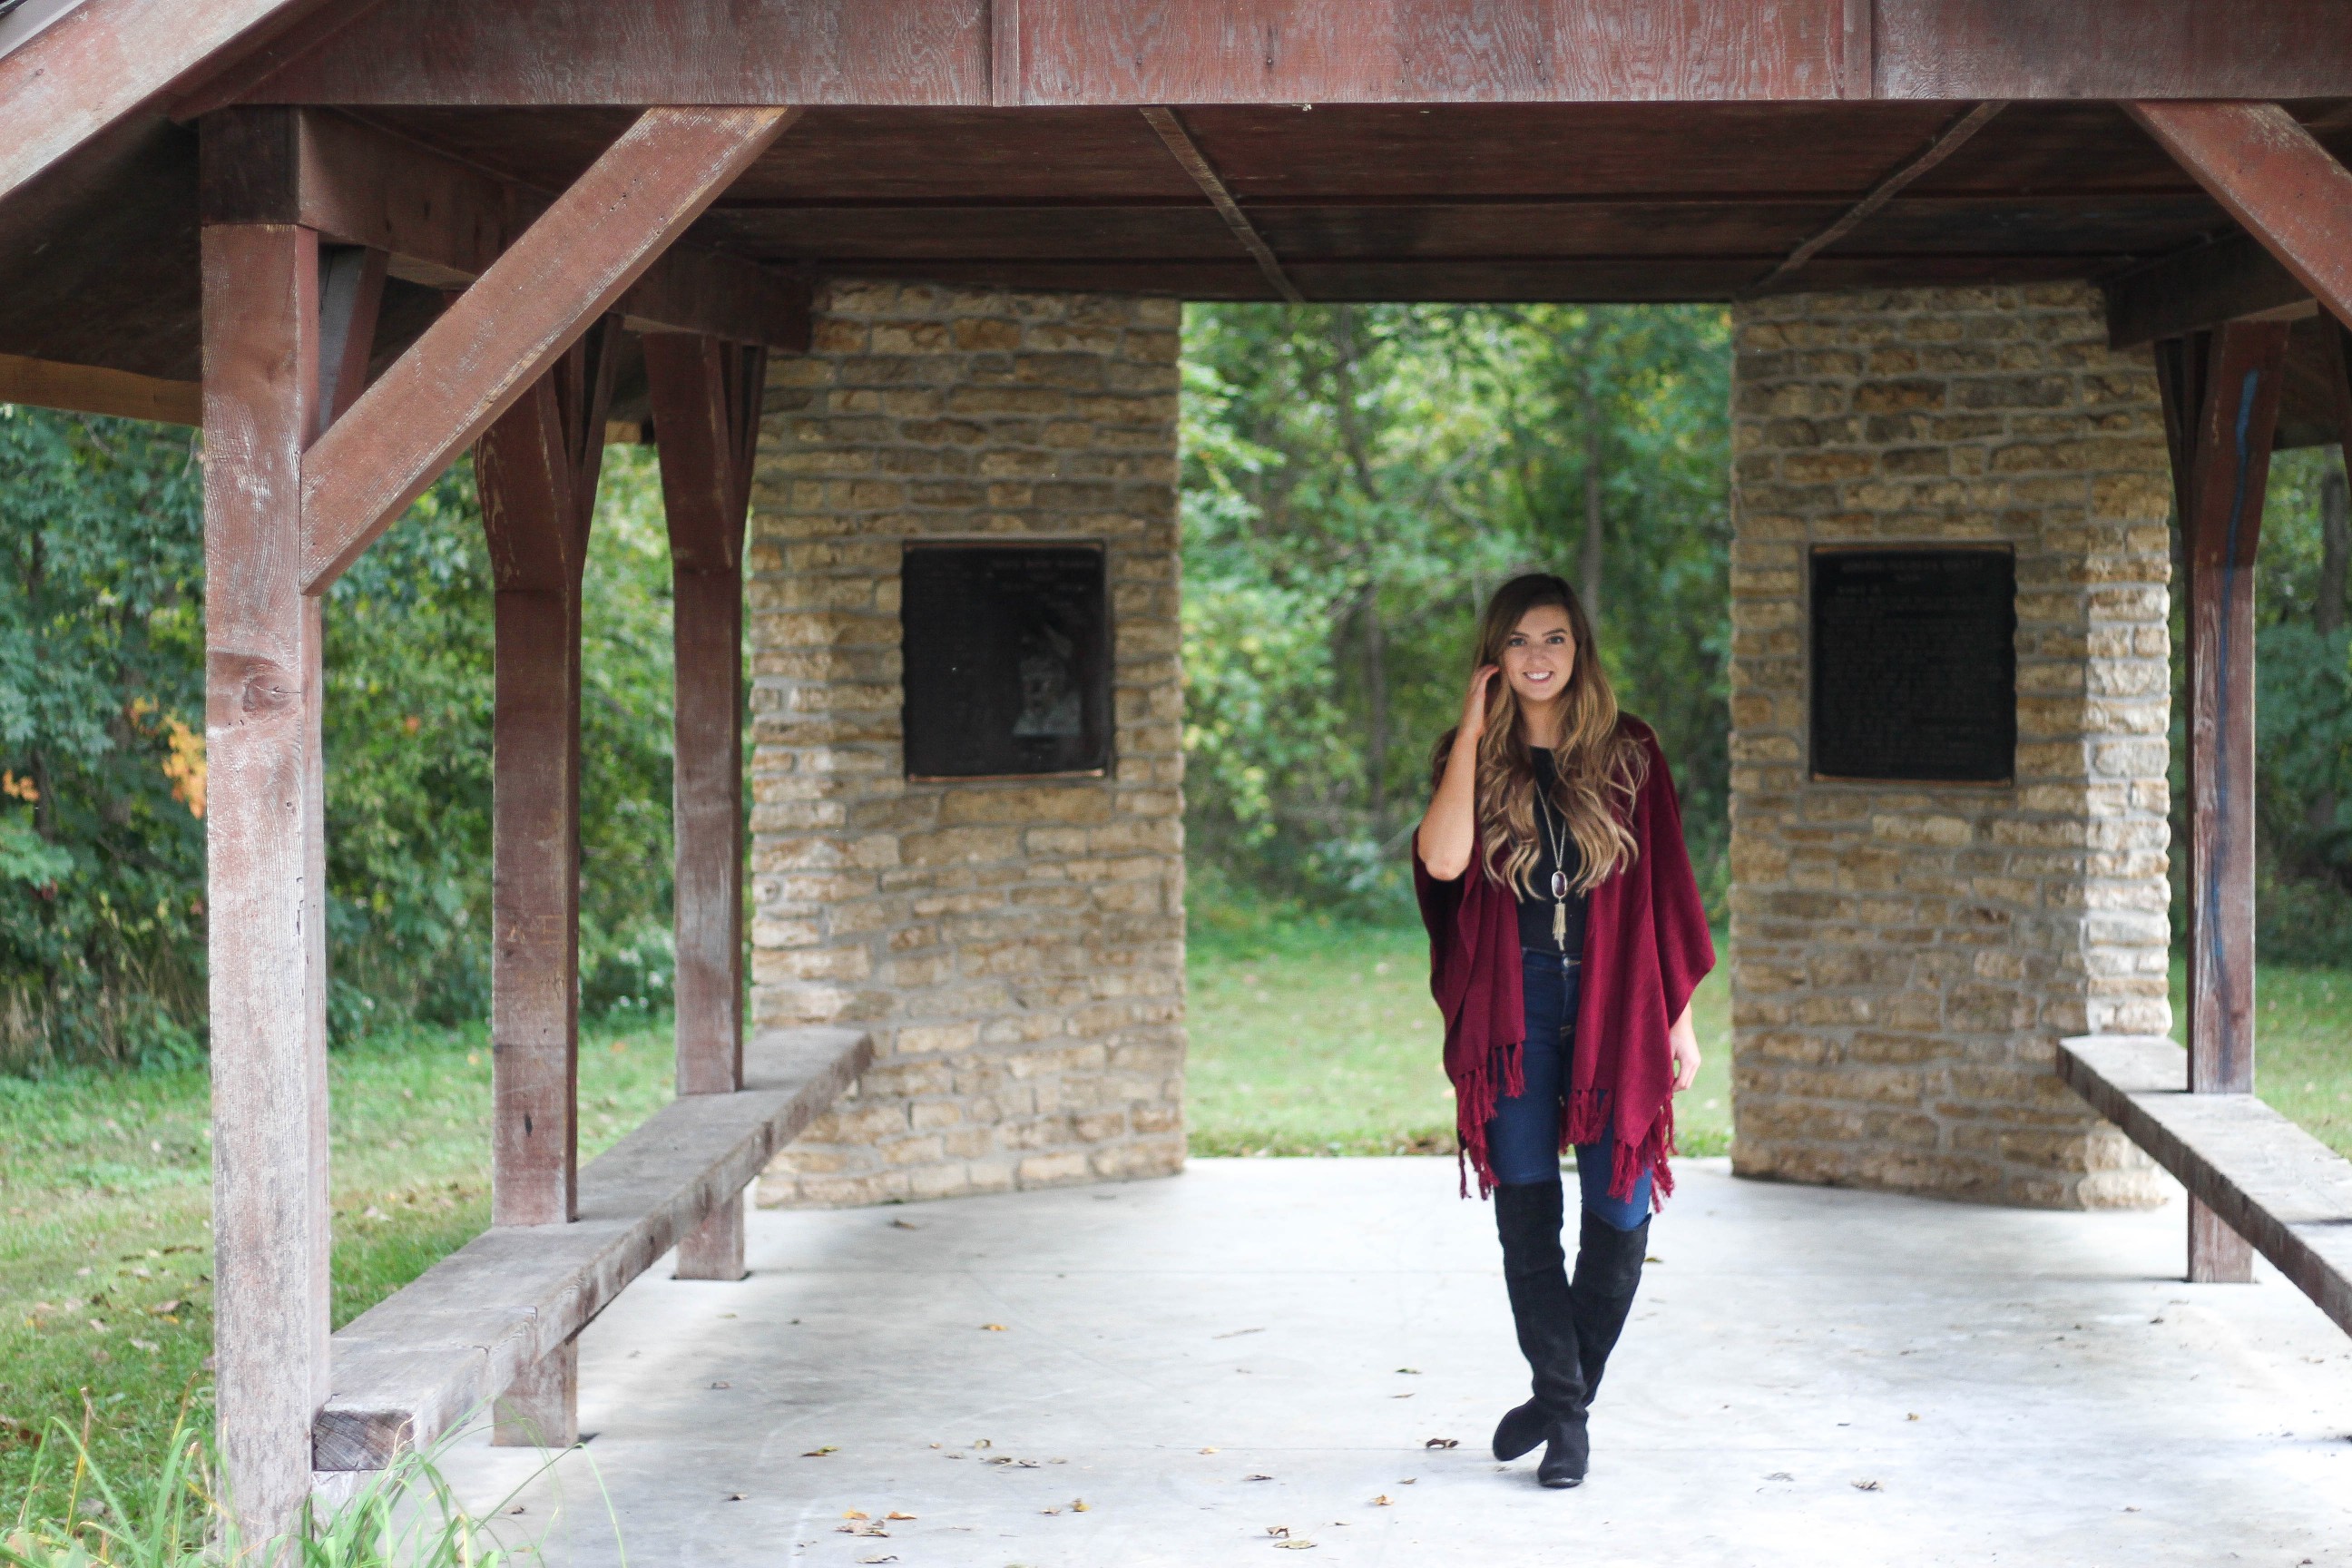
(1811, 1377)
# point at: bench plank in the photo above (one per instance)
(439, 1350)
(2285, 1191)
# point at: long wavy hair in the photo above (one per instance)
(1597, 768)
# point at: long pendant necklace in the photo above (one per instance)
(1558, 874)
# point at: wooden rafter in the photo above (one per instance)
(1948, 141)
(87, 389)
(1187, 154)
(2222, 280)
(528, 307)
(2274, 178)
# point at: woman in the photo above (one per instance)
(1566, 938)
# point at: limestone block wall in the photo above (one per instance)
(1904, 957)
(1015, 948)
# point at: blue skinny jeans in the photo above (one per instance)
(1523, 1138)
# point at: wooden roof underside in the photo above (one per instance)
(1757, 139)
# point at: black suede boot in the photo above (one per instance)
(1528, 1219)
(1608, 1272)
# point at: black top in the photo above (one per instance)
(1536, 913)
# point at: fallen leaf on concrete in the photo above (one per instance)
(1208, 1450)
(854, 1513)
(1277, 1531)
(1410, 1371)
(821, 1453)
(1408, 1480)
(1400, 1396)
(993, 1327)
(894, 1513)
(1443, 1443)
(734, 1497)
(904, 1224)
(981, 1443)
(1912, 1416)
(1236, 1333)
(722, 1385)
(1294, 1545)
(1257, 1477)
(1780, 1475)
(1049, 1510)
(1383, 1500)
(885, 1557)
(1078, 1505)
(1866, 1486)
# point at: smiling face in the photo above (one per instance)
(1539, 655)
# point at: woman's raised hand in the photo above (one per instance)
(1473, 703)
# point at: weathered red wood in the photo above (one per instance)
(1948, 141)
(105, 59)
(698, 51)
(2274, 178)
(2221, 396)
(265, 865)
(536, 469)
(1189, 157)
(351, 294)
(705, 397)
(2199, 288)
(44, 384)
(564, 271)
(443, 222)
(2111, 49)
(540, 1408)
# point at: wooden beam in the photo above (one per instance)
(563, 273)
(87, 389)
(104, 60)
(2221, 395)
(1188, 154)
(1948, 141)
(265, 868)
(2276, 179)
(705, 397)
(2229, 278)
(2266, 1178)
(442, 222)
(431, 1354)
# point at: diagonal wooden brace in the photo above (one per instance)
(2274, 178)
(531, 304)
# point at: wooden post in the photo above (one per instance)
(2221, 397)
(705, 406)
(537, 470)
(280, 320)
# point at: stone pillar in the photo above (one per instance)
(1905, 957)
(1016, 948)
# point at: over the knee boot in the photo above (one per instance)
(1608, 1272)
(1528, 1219)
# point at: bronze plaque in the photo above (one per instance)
(1915, 664)
(1007, 652)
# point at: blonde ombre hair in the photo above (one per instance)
(1598, 767)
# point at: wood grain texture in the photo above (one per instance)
(533, 302)
(86, 389)
(1181, 146)
(706, 399)
(2221, 395)
(2266, 1179)
(105, 60)
(2274, 178)
(536, 468)
(2191, 291)
(409, 1368)
(540, 1408)
(664, 51)
(265, 867)
(2112, 49)
(1430, 51)
(1949, 140)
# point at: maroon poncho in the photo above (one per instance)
(1646, 948)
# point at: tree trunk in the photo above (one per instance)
(1589, 568)
(1376, 699)
(2327, 605)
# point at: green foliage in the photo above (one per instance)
(1356, 479)
(101, 759)
(101, 659)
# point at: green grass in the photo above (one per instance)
(1322, 1039)
(106, 1199)
(2303, 1046)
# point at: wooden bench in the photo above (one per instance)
(438, 1350)
(2286, 1191)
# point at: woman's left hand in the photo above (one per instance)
(1682, 1043)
